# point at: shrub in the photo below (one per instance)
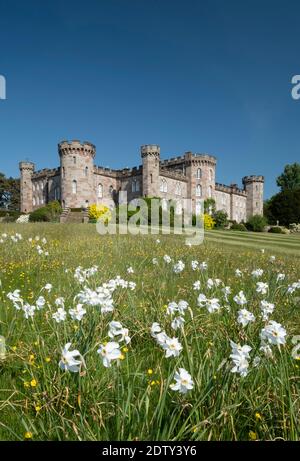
(40, 215)
(238, 227)
(256, 223)
(99, 211)
(276, 230)
(209, 222)
(221, 219)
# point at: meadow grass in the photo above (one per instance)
(132, 400)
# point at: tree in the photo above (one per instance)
(256, 223)
(285, 207)
(9, 193)
(221, 219)
(290, 178)
(209, 205)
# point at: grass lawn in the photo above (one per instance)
(132, 398)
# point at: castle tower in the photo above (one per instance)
(254, 186)
(26, 170)
(77, 173)
(150, 154)
(200, 170)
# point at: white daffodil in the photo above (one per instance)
(183, 381)
(78, 312)
(280, 277)
(266, 309)
(262, 288)
(245, 317)
(240, 299)
(69, 359)
(197, 285)
(40, 303)
(60, 315)
(195, 265)
(273, 333)
(155, 329)
(167, 259)
(172, 347)
(178, 267)
(116, 329)
(109, 352)
(28, 310)
(238, 273)
(178, 322)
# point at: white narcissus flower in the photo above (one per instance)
(194, 265)
(116, 329)
(154, 261)
(155, 329)
(182, 306)
(161, 338)
(40, 303)
(238, 273)
(48, 287)
(197, 285)
(183, 381)
(213, 305)
(179, 267)
(130, 270)
(68, 360)
(257, 273)
(240, 299)
(60, 315)
(78, 312)
(28, 310)
(262, 288)
(203, 266)
(109, 352)
(172, 308)
(172, 347)
(178, 322)
(266, 309)
(210, 283)
(167, 259)
(202, 300)
(272, 258)
(240, 355)
(273, 333)
(245, 317)
(280, 277)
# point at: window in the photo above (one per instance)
(133, 186)
(164, 204)
(33, 201)
(63, 172)
(111, 189)
(151, 178)
(137, 186)
(198, 190)
(100, 191)
(211, 175)
(163, 186)
(199, 173)
(37, 186)
(38, 201)
(210, 191)
(198, 208)
(86, 171)
(74, 160)
(256, 187)
(178, 189)
(74, 187)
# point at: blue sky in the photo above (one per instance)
(207, 76)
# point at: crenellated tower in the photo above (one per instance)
(77, 173)
(150, 154)
(254, 186)
(26, 171)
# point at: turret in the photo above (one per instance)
(150, 154)
(254, 187)
(77, 173)
(26, 171)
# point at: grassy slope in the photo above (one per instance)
(123, 404)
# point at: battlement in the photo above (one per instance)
(172, 174)
(232, 189)
(150, 149)
(76, 147)
(253, 178)
(46, 173)
(26, 166)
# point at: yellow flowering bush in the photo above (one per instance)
(209, 222)
(99, 211)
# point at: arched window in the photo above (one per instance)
(86, 171)
(164, 204)
(33, 201)
(37, 186)
(199, 173)
(100, 191)
(211, 175)
(133, 186)
(198, 190)
(74, 186)
(74, 160)
(38, 201)
(151, 178)
(210, 191)
(137, 186)
(163, 186)
(111, 189)
(178, 189)
(198, 208)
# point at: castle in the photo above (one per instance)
(78, 182)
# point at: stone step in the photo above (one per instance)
(75, 217)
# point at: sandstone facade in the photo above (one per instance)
(78, 182)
